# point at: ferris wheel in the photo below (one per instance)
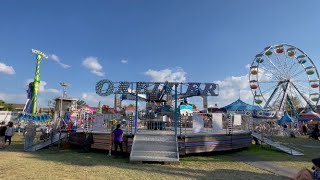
(284, 78)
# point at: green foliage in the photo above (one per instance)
(2, 102)
(7, 107)
(81, 103)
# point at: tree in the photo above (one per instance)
(2, 102)
(81, 103)
(9, 107)
(293, 104)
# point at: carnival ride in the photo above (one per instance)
(30, 109)
(285, 82)
(284, 78)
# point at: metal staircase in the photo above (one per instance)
(276, 145)
(52, 140)
(154, 148)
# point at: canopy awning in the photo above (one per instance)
(311, 115)
(286, 119)
(239, 105)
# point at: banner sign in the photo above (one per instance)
(217, 121)
(106, 87)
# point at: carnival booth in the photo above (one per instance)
(308, 116)
(242, 113)
(310, 119)
(83, 118)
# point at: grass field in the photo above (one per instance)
(308, 146)
(69, 164)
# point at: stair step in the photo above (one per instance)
(159, 154)
(156, 143)
(154, 138)
(154, 148)
(153, 159)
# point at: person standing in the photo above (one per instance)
(9, 133)
(304, 129)
(118, 138)
(3, 129)
(29, 133)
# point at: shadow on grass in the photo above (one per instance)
(71, 157)
(264, 152)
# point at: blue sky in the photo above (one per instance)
(205, 41)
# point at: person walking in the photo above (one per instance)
(118, 138)
(9, 133)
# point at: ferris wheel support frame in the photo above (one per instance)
(306, 99)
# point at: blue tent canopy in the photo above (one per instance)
(239, 105)
(286, 119)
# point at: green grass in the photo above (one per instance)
(310, 148)
(69, 164)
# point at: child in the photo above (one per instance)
(118, 138)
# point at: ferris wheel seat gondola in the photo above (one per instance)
(259, 60)
(279, 50)
(254, 72)
(301, 56)
(314, 96)
(291, 53)
(291, 49)
(310, 72)
(258, 101)
(253, 86)
(302, 61)
(314, 85)
(268, 53)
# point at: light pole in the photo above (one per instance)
(64, 94)
(65, 86)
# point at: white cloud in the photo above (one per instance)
(42, 87)
(231, 88)
(13, 98)
(235, 82)
(124, 61)
(93, 65)
(55, 58)
(92, 99)
(171, 75)
(6, 69)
